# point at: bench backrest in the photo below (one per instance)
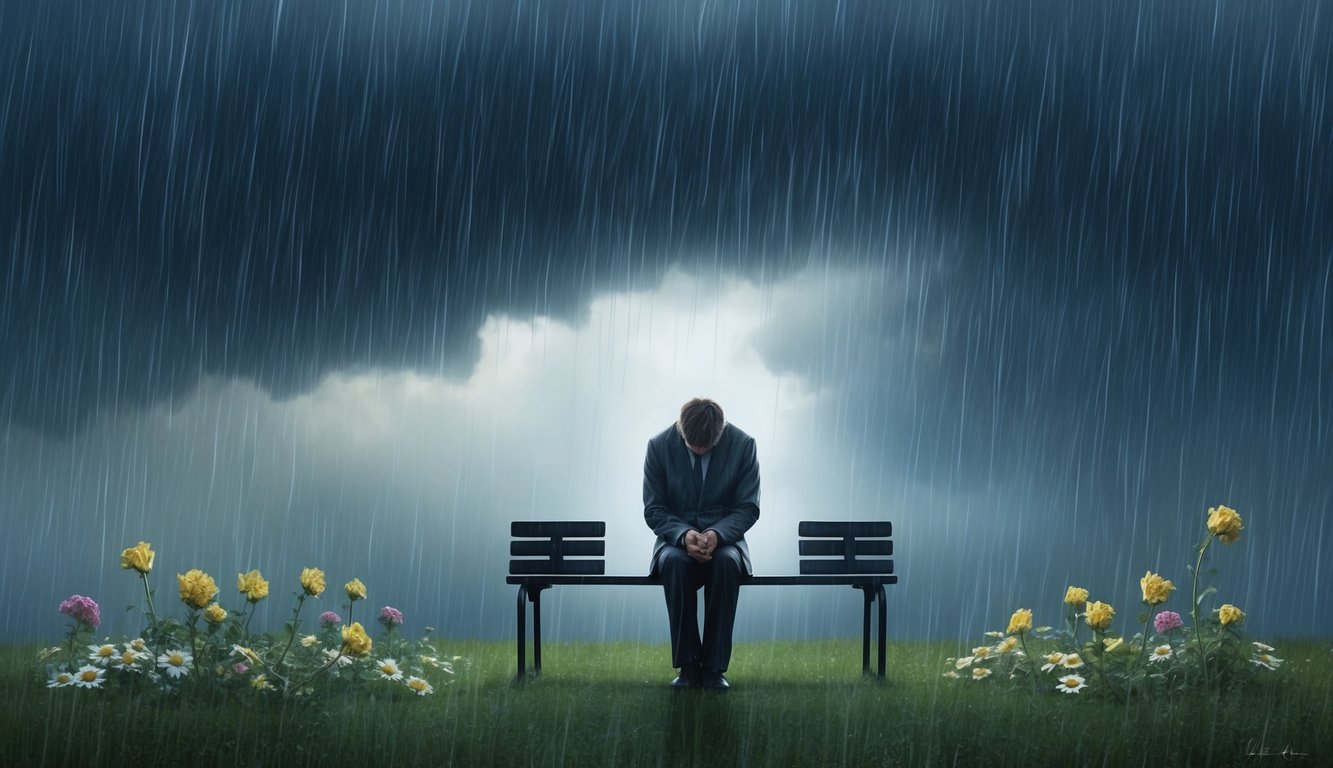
(578, 548)
(561, 548)
(837, 548)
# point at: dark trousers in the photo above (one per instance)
(720, 578)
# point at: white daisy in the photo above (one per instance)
(1071, 661)
(249, 655)
(1266, 661)
(966, 661)
(138, 644)
(1160, 653)
(1007, 645)
(60, 680)
(1071, 684)
(101, 655)
(995, 634)
(309, 640)
(388, 669)
(89, 676)
(128, 660)
(952, 675)
(980, 673)
(1263, 647)
(334, 653)
(420, 686)
(261, 683)
(1053, 660)
(175, 663)
(1042, 630)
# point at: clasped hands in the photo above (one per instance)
(700, 546)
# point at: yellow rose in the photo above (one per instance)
(252, 585)
(197, 588)
(1099, 615)
(139, 557)
(1076, 596)
(1229, 614)
(1155, 588)
(355, 590)
(312, 581)
(356, 641)
(215, 614)
(1225, 523)
(1021, 621)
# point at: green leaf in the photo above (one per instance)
(1205, 593)
(1143, 617)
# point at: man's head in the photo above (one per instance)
(700, 424)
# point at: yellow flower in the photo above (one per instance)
(1076, 596)
(261, 683)
(139, 557)
(1114, 644)
(356, 641)
(1099, 615)
(1155, 588)
(1229, 614)
(309, 640)
(355, 590)
(1225, 523)
(981, 651)
(1007, 645)
(197, 588)
(312, 581)
(1021, 621)
(215, 614)
(252, 585)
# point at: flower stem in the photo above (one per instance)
(1032, 665)
(1194, 606)
(1101, 665)
(300, 600)
(152, 613)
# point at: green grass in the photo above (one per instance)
(794, 704)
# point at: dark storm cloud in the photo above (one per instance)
(275, 191)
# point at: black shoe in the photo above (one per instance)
(689, 677)
(713, 680)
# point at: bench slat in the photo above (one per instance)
(560, 547)
(588, 529)
(839, 529)
(839, 547)
(846, 566)
(547, 566)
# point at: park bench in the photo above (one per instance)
(549, 554)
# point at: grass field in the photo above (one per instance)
(793, 704)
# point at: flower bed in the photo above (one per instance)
(1211, 652)
(222, 655)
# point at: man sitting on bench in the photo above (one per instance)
(700, 496)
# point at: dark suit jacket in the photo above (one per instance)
(673, 502)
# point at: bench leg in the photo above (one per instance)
(536, 597)
(883, 622)
(865, 630)
(522, 632)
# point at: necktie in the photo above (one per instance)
(699, 470)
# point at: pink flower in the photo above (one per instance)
(82, 609)
(390, 617)
(239, 668)
(1166, 621)
(329, 617)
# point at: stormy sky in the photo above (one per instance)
(353, 285)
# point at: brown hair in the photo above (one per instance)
(701, 423)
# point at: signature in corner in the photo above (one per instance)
(1259, 750)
